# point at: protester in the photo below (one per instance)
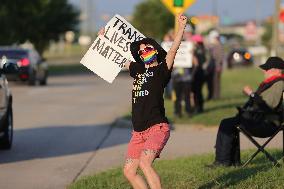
(151, 73)
(214, 68)
(182, 83)
(168, 37)
(198, 73)
(187, 36)
(259, 116)
(181, 79)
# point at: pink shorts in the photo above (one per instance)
(154, 138)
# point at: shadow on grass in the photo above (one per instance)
(237, 175)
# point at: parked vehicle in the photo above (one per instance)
(239, 57)
(6, 110)
(32, 68)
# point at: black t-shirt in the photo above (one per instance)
(147, 94)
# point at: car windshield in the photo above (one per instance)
(13, 54)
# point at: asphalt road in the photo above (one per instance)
(59, 127)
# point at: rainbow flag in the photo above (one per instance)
(149, 56)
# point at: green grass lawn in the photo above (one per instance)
(187, 173)
(233, 82)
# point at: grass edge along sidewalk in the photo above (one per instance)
(191, 172)
(63, 69)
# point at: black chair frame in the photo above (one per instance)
(261, 148)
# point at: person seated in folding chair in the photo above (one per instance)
(260, 116)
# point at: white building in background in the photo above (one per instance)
(206, 22)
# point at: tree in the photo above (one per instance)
(153, 19)
(37, 21)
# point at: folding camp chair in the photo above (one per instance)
(260, 148)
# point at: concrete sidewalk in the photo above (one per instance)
(184, 141)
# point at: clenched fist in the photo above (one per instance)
(182, 20)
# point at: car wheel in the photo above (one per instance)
(32, 78)
(6, 142)
(43, 81)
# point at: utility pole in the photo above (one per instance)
(83, 17)
(91, 27)
(258, 22)
(215, 12)
(275, 38)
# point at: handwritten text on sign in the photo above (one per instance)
(184, 54)
(109, 52)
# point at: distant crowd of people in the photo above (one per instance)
(205, 68)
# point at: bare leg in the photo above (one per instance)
(130, 172)
(146, 160)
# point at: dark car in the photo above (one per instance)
(6, 111)
(239, 57)
(32, 68)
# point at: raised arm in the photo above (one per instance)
(173, 50)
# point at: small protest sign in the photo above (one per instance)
(184, 54)
(110, 51)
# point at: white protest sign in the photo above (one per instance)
(184, 54)
(110, 51)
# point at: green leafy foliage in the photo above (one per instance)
(153, 19)
(37, 21)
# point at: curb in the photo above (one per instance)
(122, 123)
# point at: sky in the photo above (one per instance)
(230, 11)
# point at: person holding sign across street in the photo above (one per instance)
(151, 131)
